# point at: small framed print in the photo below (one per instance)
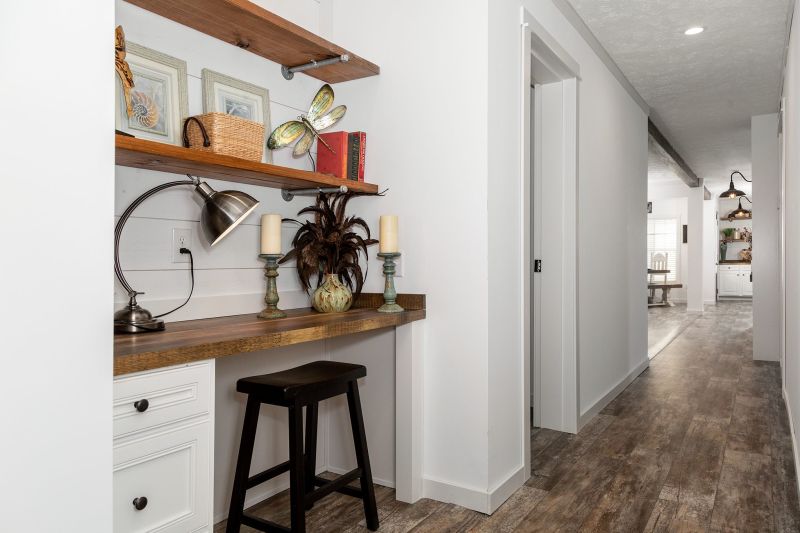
(223, 94)
(159, 96)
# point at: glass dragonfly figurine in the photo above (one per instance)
(308, 126)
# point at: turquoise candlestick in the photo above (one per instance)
(389, 293)
(271, 299)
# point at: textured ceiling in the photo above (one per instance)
(702, 89)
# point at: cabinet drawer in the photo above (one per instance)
(170, 394)
(728, 268)
(172, 471)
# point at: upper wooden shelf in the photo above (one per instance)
(253, 28)
(141, 153)
(211, 338)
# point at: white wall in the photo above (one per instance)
(230, 279)
(710, 251)
(612, 172)
(677, 208)
(426, 120)
(791, 128)
(694, 291)
(56, 270)
(766, 251)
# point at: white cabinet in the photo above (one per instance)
(163, 450)
(735, 280)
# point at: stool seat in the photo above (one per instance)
(306, 383)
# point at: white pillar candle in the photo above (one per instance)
(388, 241)
(271, 234)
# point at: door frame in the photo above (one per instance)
(561, 342)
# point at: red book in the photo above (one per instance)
(332, 162)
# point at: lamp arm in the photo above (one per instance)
(124, 218)
(742, 175)
(748, 199)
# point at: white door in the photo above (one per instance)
(729, 283)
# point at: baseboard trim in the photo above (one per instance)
(505, 489)
(600, 404)
(477, 500)
(793, 435)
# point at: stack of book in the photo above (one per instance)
(345, 157)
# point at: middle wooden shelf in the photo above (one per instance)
(151, 155)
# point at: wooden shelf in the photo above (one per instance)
(733, 240)
(734, 262)
(151, 155)
(210, 338)
(253, 28)
(735, 219)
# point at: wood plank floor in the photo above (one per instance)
(699, 442)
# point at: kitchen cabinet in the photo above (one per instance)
(735, 281)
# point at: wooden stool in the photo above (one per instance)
(305, 385)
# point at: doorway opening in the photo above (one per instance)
(549, 122)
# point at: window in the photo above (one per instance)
(663, 238)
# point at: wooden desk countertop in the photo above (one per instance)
(210, 338)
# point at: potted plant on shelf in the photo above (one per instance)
(327, 247)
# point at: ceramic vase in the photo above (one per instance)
(723, 250)
(332, 296)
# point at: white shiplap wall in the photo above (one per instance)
(229, 278)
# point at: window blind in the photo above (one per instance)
(663, 238)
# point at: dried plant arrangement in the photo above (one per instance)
(327, 247)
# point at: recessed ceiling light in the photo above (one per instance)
(694, 30)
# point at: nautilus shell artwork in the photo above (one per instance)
(145, 110)
(308, 126)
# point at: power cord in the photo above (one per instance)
(191, 290)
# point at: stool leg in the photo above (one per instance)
(311, 447)
(362, 456)
(297, 492)
(243, 465)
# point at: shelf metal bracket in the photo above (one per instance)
(289, 195)
(288, 72)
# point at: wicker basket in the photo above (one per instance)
(225, 134)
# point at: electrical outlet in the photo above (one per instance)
(181, 238)
(398, 265)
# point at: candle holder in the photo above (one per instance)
(271, 299)
(389, 293)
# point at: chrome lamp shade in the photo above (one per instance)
(222, 212)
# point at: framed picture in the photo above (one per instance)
(159, 96)
(224, 94)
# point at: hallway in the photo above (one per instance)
(699, 442)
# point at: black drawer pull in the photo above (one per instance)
(142, 406)
(140, 503)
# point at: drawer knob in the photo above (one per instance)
(140, 502)
(142, 406)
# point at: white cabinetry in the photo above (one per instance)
(163, 450)
(735, 280)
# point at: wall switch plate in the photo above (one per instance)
(181, 238)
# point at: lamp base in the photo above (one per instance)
(136, 319)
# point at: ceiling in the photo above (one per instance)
(702, 89)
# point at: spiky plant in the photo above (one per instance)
(329, 243)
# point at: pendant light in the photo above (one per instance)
(732, 191)
(741, 212)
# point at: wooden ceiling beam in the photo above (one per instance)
(687, 175)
